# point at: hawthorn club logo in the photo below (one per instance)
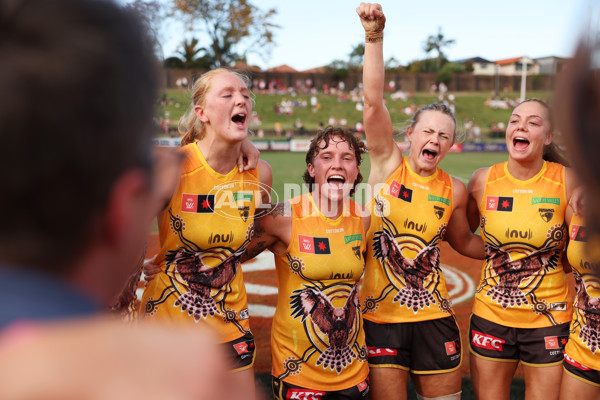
(244, 212)
(401, 192)
(546, 214)
(499, 203)
(439, 211)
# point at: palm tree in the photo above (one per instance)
(437, 43)
(189, 52)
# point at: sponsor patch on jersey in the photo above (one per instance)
(400, 191)
(546, 200)
(244, 212)
(450, 348)
(437, 198)
(484, 341)
(303, 394)
(198, 203)
(352, 238)
(242, 196)
(499, 203)
(578, 233)
(380, 352)
(551, 342)
(313, 245)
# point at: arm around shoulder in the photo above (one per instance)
(459, 234)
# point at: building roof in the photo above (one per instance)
(508, 61)
(551, 57)
(282, 68)
(317, 70)
(480, 60)
(244, 66)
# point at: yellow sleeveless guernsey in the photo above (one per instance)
(203, 232)
(403, 280)
(317, 339)
(523, 284)
(584, 340)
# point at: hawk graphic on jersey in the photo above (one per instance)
(335, 322)
(512, 273)
(590, 307)
(200, 278)
(414, 295)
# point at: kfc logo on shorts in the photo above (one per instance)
(574, 363)
(450, 348)
(486, 341)
(303, 394)
(551, 342)
(379, 352)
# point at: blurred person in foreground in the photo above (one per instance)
(77, 83)
(579, 119)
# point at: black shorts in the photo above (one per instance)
(533, 346)
(581, 372)
(241, 352)
(283, 391)
(426, 347)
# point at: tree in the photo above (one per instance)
(190, 52)
(234, 27)
(448, 71)
(437, 43)
(355, 57)
(152, 13)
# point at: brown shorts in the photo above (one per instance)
(283, 391)
(426, 347)
(241, 352)
(581, 372)
(535, 346)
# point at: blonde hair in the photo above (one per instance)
(190, 127)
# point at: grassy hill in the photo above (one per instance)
(469, 105)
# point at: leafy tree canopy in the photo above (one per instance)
(234, 27)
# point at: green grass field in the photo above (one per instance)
(289, 167)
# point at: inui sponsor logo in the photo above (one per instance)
(380, 351)
(551, 342)
(450, 348)
(486, 341)
(303, 394)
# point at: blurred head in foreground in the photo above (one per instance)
(579, 119)
(77, 84)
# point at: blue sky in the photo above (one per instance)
(314, 33)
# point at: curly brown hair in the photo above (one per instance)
(321, 141)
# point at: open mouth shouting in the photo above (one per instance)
(429, 155)
(336, 181)
(239, 120)
(520, 143)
